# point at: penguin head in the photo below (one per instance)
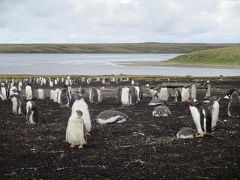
(79, 113)
(229, 93)
(65, 86)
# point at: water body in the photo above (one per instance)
(98, 64)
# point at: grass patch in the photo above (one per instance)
(220, 56)
(110, 48)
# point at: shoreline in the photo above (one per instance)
(173, 64)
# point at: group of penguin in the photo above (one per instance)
(204, 113)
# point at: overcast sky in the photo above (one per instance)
(107, 21)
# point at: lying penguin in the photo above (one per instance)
(234, 103)
(111, 116)
(161, 111)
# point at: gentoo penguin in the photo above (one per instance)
(156, 101)
(234, 102)
(95, 95)
(213, 106)
(202, 118)
(13, 90)
(193, 91)
(186, 133)
(128, 95)
(4, 93)
(64, 97)
(56, 94)
(178, 96)
(29, 92)
(17, 104)
(208, 91)
(111, 116)
(80, 104)
(31, 112)
(161, 111)
(152, 92)
(163, 94)
(185, 94)
(76, 131)
(52, 92)
(40, 94)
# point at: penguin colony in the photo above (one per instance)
(205, 114)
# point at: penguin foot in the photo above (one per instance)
(72, 146)
(88, 133)
(199, 135)
(80, 146)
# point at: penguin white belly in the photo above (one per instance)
(163, 94)
(196, 118)
(75, 133)
(185, 94)
(124, 96)
(31, 118)
(215, 114)
(14, 106)
(109, 120)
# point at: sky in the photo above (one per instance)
(118, 21)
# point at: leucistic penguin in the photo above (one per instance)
(81, 105)
(95, 95)
(17, 104)
(234, 103)
(76, 130)
(163, 94)
(162, 111)
(111, 116)
(31, 112)
(202, 118)
(29, 92)
(52, 92)
(213, 106)
(128, 95)
(185, 94)
(40, 94)
(64, 97)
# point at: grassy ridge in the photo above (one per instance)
(220, 56)
(110, 48)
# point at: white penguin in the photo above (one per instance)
(31, 112)
(202, 118)
(4, 93)
(80, 104)
(56, 94)
(95, 95)
(40, 94)
(52, 92)
(128, 95)
(185, 94)
(76, 131)
(29, 92)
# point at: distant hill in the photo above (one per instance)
(110, 48)
(220, 56)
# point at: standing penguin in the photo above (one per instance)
(163, 94)
(40, 94)
(202, 118)
(29, 92)
(185, 94)
(193, 92)
(31, 112)
(80, 104)
(127, 95)
(4, 93)
(234, 103)
(95, 95)
(64, 97)
(17, 104)
(213, 107)
(76, 131)
(178, 96)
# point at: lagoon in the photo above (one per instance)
(99, 64)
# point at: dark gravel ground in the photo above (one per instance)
(144, 147)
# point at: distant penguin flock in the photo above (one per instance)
(205, 113)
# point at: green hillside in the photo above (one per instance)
(220, 56)
(110, 48)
